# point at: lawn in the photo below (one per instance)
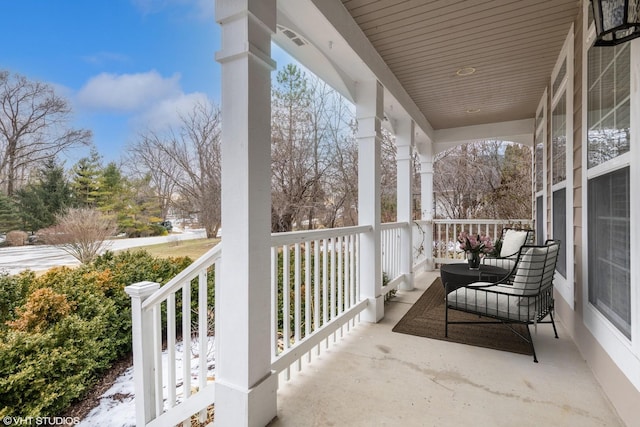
(181, 248)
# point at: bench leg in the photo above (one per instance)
(553, 323)
(533, 350)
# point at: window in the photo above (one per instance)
(562, 167)
(559, 148)
(559, 140)
(560, 228)
(608, 104)
(609, 251)
(539, 159)
(561, 75)
(539, 221)
(540, 162)
(608, 184)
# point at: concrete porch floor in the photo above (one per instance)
(376, 377)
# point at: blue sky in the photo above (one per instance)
(125, 65)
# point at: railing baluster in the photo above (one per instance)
(203, 332)
(358, 296)
(286, 301)
(316, 288)
(297, 317)
(334, 270)
(171, 349)
(274, 301)
(347, 273)
(186, 340)
(307, 293)
(325, 282)
(340, 283)
(157, 345)
(439, 246)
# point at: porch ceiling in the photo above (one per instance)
(512, 44)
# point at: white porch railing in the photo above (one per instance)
(446, 231)
(165, 391)
(315, 284)
(315, 296)
(391, 245)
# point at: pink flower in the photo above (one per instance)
(475, 243)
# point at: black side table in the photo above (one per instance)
(455, 276)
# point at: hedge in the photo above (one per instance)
(59, 332)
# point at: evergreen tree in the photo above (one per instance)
(85, 181)
(39, 202)
(111, 197)
(512, 199)
(9, 218)
(291, 167)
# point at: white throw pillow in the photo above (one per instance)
(530, 269)
(512, 242)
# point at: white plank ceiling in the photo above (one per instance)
(512, 45)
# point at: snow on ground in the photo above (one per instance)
(117, 405)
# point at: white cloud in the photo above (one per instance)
(167, 112)
(127, 92)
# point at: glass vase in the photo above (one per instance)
(473, 258)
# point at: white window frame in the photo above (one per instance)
(541, 128)
(624, 352)
(564, 285)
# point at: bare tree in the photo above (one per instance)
(186, 163)
(512, 198)
(292, 178)
(490, 179)
(313, 153)
(342, 183)
(463, 177)
(148, 160)
(33, 127)
(81, 232)
(388, 177)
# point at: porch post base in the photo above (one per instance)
(374, 311)
(255, 407)
(430, 265)
(407, 283)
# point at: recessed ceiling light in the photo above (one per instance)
(465, 71)
(472, 110)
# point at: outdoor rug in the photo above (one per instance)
(426, 319)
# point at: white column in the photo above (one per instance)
(245, 386)
(426, 201)
(404, 145)
(369, 113)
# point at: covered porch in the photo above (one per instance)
(373, 376)
(391, 59)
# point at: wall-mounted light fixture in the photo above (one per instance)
(617, 21)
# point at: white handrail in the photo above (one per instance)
(186, 275)
(293, 237)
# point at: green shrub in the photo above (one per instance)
(64, 328)
(43, 308)
(13, 293)
(42, 373)
(138, 229)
